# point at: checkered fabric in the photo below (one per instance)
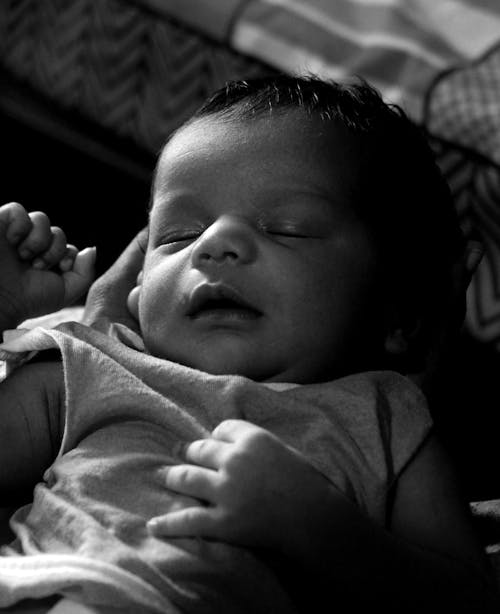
(463, 109)
(464, 106)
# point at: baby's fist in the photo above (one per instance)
(39, 271)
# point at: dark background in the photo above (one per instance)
(93, 185)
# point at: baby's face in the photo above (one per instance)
(257, 263)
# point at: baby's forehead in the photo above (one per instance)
(265, 166)
(293, 125)
(284, 139)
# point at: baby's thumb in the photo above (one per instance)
(78, 280)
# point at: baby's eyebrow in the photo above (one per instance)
(299, 200)
(173, 203)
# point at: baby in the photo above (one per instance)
(298, 265)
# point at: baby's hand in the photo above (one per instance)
(253, 489)
(39, 271)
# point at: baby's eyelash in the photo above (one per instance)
(287, 233)
(188, 236)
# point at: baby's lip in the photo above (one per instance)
(208, 296)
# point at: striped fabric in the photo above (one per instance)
(399, 45)
(464, 105)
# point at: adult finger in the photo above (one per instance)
(189, 522)
(107, 298)
(79, 278)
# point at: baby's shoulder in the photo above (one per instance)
(376, 386)
(382, 401)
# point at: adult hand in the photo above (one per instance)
(113, 294)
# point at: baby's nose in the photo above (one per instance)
(229, 240)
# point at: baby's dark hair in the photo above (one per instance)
(403, 194)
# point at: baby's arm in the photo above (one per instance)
(31, 423)
(39, 273)
(262, 494)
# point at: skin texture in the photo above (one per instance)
(288, 242)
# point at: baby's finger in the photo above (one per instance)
(14, 222)
(232, 430)
(207, 452)
(77, 281)
(192, 481)
(189, 522)
(66, 262)
(54, 253)
(39, 238)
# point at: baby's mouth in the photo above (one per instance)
(220, 303)
(224, 308)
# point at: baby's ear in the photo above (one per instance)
(402, 329)
(403, 349)
(396, 342)
(399, 339)
(133, 298)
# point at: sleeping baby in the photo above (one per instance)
(257, 445)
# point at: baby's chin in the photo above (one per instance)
(220, 363)
(229, 366)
